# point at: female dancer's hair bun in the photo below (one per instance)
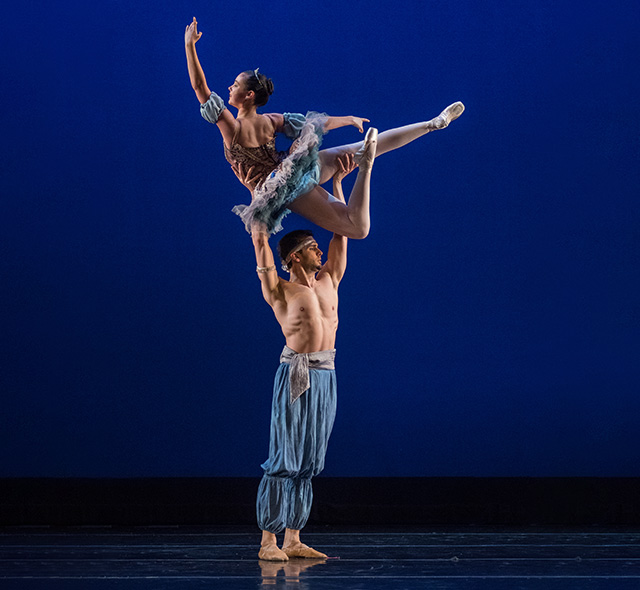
(261, 86)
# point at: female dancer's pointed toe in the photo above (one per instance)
(371, 136)
(365, 156)
(451, 113)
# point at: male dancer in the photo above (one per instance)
(304, 397)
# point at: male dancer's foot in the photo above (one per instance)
(269, 548)
(293, 547)
(451, 113)
(272, 553)
(302, 550)
(365, 156)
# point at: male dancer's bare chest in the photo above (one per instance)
(318, 301)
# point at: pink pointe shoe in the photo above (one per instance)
(365, 156)
(451, 113)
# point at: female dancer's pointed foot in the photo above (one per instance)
(302, 550)
(365, 156)
(451, 113)
(272, 553)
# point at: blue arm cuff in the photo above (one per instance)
(212, 109)
(293, 124)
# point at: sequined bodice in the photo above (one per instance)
(264, 158)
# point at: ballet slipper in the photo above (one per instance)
(365, 156)
(451, 113)
(272, 553)
(302, 550)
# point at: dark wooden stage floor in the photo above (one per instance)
(146, 558)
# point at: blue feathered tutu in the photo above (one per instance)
(297, 174)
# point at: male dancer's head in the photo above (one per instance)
(300, 247)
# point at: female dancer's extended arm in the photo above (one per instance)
(198, 79)
(196, 73)
(335, 122)
(330, 123)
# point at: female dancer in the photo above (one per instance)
(289, 180)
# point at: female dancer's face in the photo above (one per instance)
(238, 91)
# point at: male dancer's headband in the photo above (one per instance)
(306, 242)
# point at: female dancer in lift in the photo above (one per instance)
(290, 180)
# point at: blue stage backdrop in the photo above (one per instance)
(489, 323)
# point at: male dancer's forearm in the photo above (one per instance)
(337, 190)
(266, 267)
(260, 238)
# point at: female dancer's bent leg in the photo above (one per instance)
(352, 219)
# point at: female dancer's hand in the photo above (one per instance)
(191, 34)
(357, 122)
(246, 176)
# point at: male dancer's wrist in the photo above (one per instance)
(264, 269)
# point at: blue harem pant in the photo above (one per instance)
(298, 444)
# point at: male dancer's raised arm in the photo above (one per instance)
(337, 253)
(266, 266)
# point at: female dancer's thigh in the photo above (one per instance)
(330, 215)
(328, 159)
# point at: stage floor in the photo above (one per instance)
(146, 558)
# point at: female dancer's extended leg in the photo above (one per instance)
(351, 219)
(388, 140)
